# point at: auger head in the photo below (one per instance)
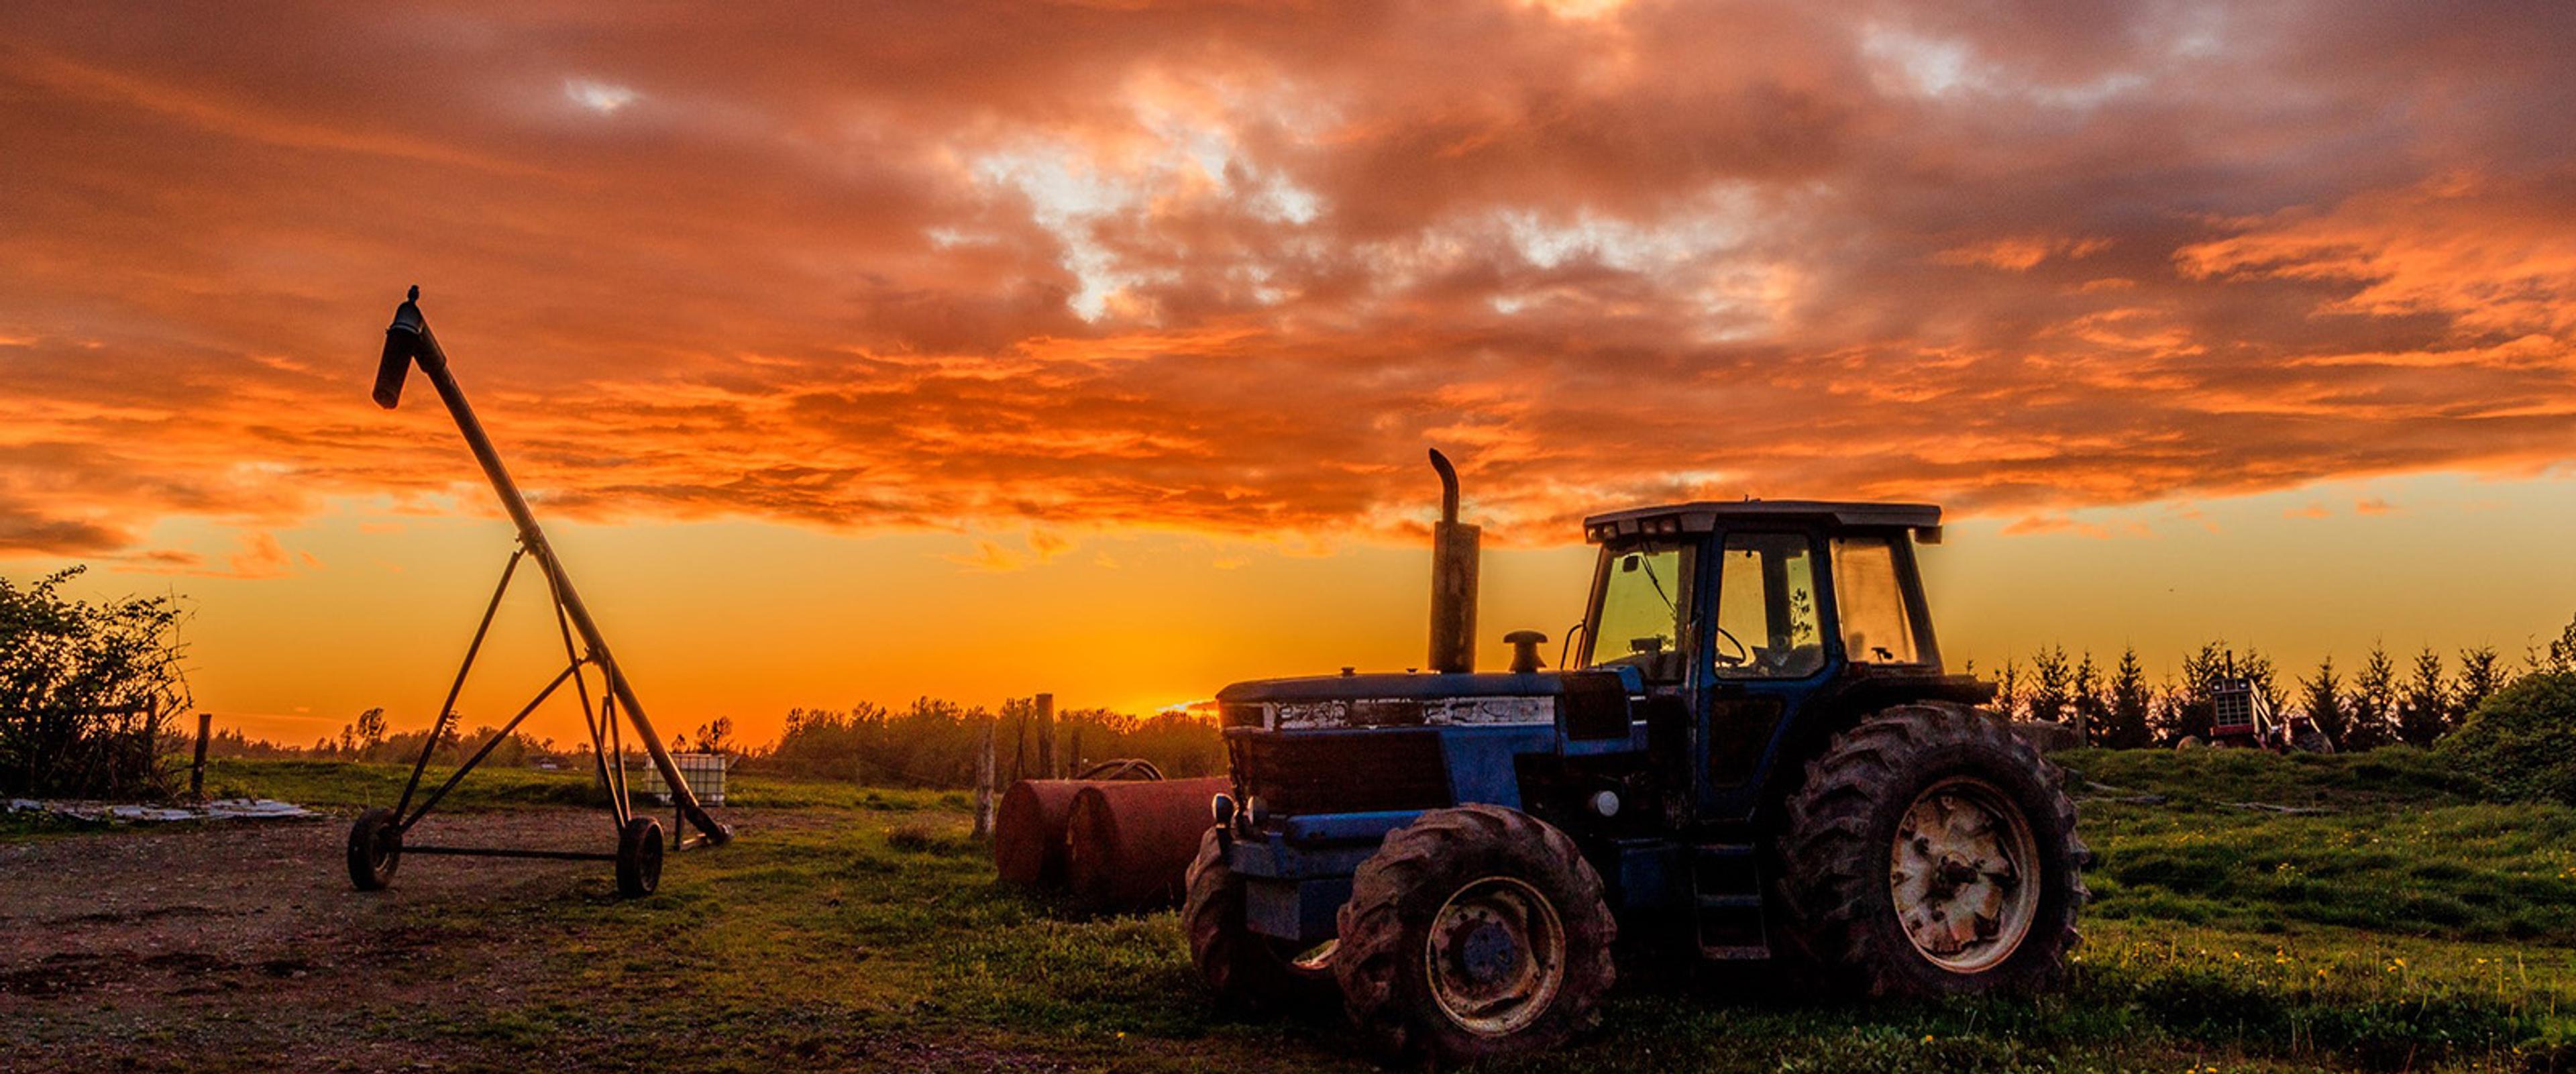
(402, 344)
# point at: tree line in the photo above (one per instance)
(929, 743)
(367, 739)
(935, 743)
(2378, 703)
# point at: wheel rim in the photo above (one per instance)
(383, 844)
(1495, 956)
(1962, 873)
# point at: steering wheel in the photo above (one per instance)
(1742, 655)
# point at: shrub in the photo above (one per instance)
(2521, 742)
(85, 691)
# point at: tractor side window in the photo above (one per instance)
(1766, 608)
(1645, 611)
(1870, 602)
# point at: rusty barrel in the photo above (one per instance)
(1028, 831)
(1128, 845)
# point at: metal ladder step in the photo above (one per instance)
(1727, 903)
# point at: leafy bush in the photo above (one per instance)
(2522, 741)
(85, 691)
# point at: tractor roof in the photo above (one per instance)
(1706, 515)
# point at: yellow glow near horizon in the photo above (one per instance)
(748, 620)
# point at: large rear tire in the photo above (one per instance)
(1245, 969)
(1476, 932)
(1932, 852)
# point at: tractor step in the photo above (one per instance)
(1726, 890)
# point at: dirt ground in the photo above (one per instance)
(139, 949)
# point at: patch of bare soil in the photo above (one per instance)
(230, 945)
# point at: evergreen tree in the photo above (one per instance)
(2256, 669)
(2480, 678)
(2172, 712)
(2561, 653)
(2130, 705)
(2008, 691)
(2424, 708)
(2368, 719)
(2049, 681)
(2322, 699)
(2092, 712)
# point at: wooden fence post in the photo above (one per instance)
(984, 784)
(197, 771)
(151, 749)
(1019, 743)
(1047, 766)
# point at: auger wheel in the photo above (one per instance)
(1931, 852)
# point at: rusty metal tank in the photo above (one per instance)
(1128, 845)
(1028, 832)
(1028, 824)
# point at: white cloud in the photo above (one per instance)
(605, 98)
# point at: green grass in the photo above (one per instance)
(2407, 927)
(2397, 846)
(810, 944)
(2369, 937)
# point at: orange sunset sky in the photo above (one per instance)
(968, 350)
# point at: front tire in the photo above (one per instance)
(1245, 969)
(1932, 852)
(1476, 932)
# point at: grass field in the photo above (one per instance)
(2402, 926)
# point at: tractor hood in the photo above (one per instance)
(1417, 700)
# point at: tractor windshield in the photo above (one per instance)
(1641, 616)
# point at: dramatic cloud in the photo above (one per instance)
(1229, 268)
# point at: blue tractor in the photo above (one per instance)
(1755, 753)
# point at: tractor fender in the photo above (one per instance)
(1839, 707)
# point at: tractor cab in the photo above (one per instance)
(1744, 613)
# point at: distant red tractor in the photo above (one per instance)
(2241, 715)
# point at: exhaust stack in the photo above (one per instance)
(1453, 579)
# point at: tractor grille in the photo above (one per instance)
(1343, 773)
